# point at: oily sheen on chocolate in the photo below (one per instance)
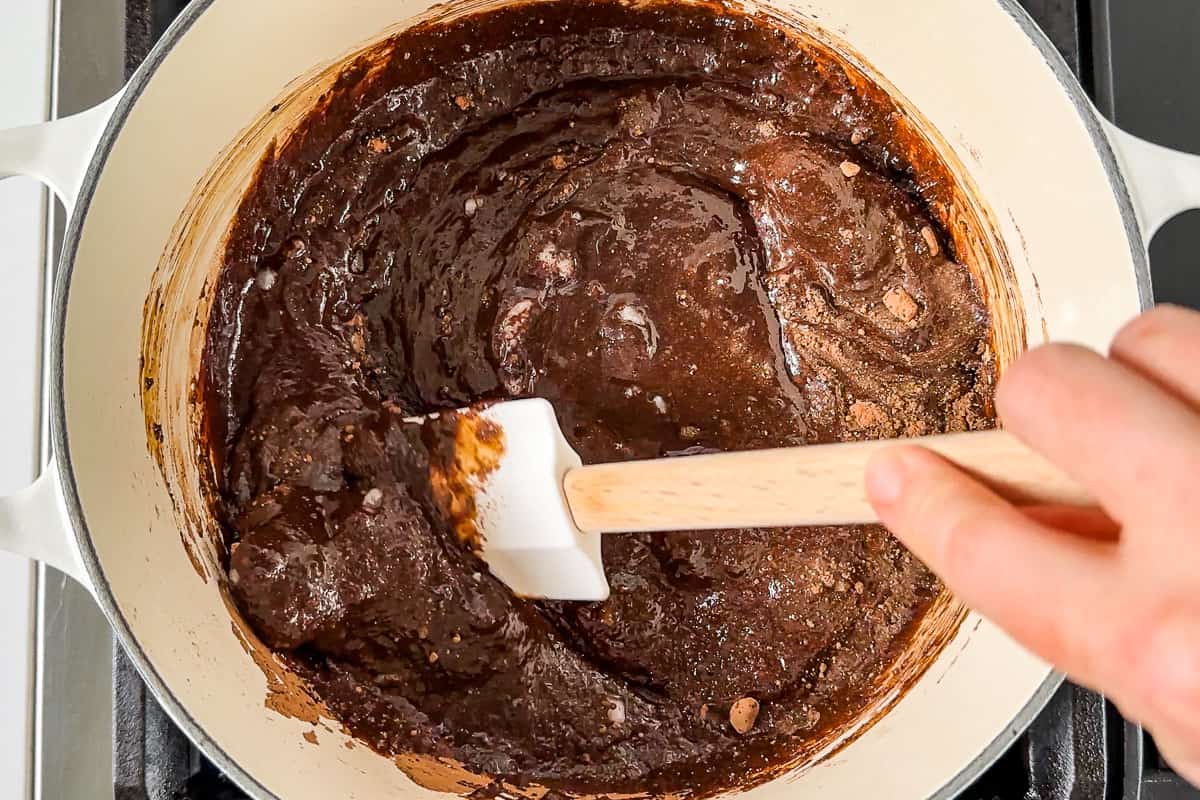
(690, 235)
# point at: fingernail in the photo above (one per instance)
(886, 475)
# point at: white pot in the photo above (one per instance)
(986, 80)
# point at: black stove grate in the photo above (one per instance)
(1079, 748)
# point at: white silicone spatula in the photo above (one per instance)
(541, 513)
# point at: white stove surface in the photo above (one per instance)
(25, 67)
(56, 57)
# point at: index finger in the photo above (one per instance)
(1162, 345)
(1109, 427)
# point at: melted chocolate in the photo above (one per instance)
(687, 233)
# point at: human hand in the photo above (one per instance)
(1110, 597)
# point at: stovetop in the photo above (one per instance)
(1129, 54)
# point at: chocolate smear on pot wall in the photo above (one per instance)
(287, 693)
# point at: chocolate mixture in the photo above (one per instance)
(690, 235)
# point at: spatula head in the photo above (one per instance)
(529, 539)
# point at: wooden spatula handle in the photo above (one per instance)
(818, 485)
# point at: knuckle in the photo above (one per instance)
(1172, 672)
(1152, 659)
(1126, 644)
(916, 501)
(1108, 659)
(958, 550)
(1047, 362)
(1059, 641)
(1146, 329)
(1033, 372)
(1183, 753)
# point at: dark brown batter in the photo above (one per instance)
(686, 233)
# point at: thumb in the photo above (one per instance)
(1043, 586)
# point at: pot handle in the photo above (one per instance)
(58, 152)
(34, 521)
(1162, 181)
